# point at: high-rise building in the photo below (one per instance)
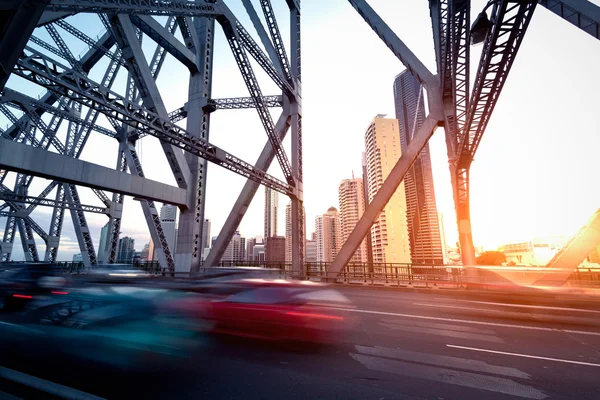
(328, 232)
(258, 253)
(250, 249)
(103, 246)
(389, 234)
(275, 249)
(368, 239)
(422, 216)
(206, 234)
(145, 252)
(236, 249)
(77, 257)
(352, 207)
(311, 251)
(151, 251)
(288, 231)
(443, 237)
(271, 210)
(168, 217)
(125, 250)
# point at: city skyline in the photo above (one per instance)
(529, 207)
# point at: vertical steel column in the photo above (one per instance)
(56, 223)
(188, 256)
(298, 225)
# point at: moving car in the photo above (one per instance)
(273, 309)
(28, 282)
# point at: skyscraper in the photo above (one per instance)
(288, 231)
(168, 215)
(275, 249)
(328, 232)
(352, 207)
(236, 249)
(422, 217)
(125, 250)
(206, 234)
(251, 242)
(368, 239)
(389, 234)
(103, 246)
(271, 209)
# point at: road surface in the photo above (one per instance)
(408, 345)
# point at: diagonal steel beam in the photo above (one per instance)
(165, 39)
(262, 34)
(397, 46)
(254, 88)
(245, 198)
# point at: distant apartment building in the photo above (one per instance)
(77, 257)
(125, 250)
(389, 234)
(275, 249)
(271, 211)
(168, 220)
(250, 243)
(206, 234)
(288, 231)
(311, 251)
(328, 235)
(104, 245)
(368, 239)
(258, 253)
(236, 249)
(421, 209)
(145, 252)
(352, 207)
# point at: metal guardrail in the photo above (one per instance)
(379, 274)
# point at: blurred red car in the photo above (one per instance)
(275, 309)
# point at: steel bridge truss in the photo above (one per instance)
(62, 119)
(463, 115)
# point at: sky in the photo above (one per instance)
(534, 175)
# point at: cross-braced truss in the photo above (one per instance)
(47, 134)
(73, 98)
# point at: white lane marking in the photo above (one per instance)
(439, 332)
(441, 361)
(527, 306)
(466, 321)
(45, 386)
(455, 307)
(449, 376)
(525, 355)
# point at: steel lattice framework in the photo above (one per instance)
(32, 145)
(73, 98)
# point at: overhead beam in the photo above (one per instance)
(50, 203)
(166, 8)
(26, 159)
(581, 13)
(15, 34)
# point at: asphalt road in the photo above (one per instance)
(408, 345)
